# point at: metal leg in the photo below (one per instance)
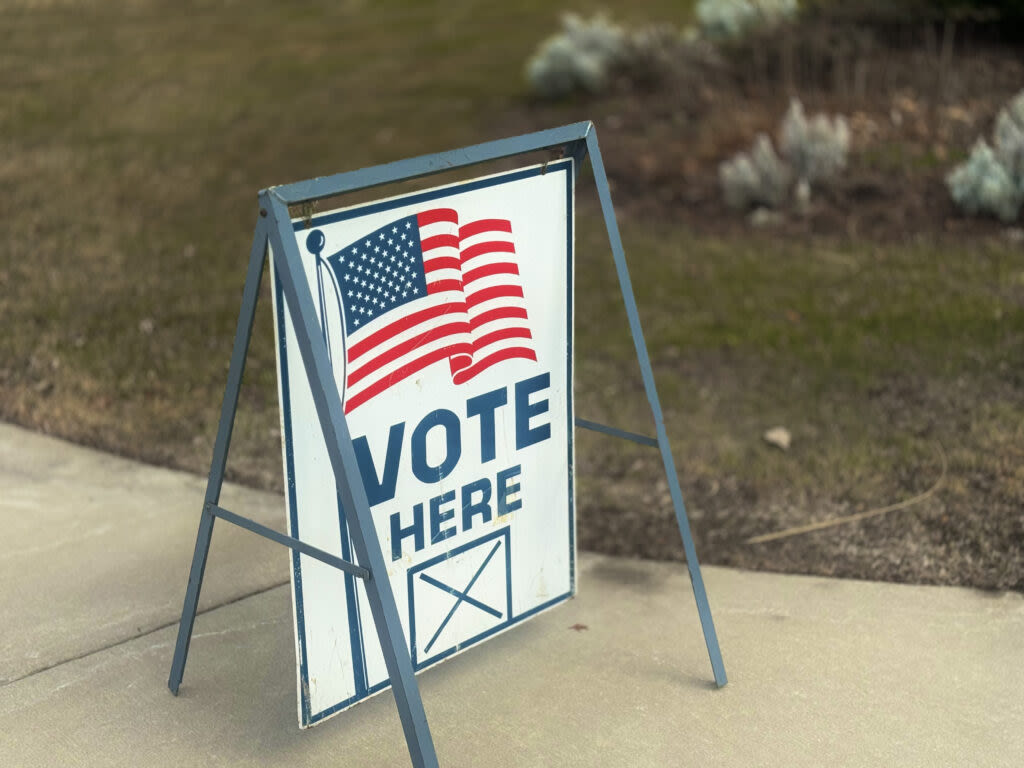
(220, 453)
(188, 611)
(327, 400)
(697, 581)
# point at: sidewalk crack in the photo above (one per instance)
(160, 628)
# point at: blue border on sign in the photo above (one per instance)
(556, 166)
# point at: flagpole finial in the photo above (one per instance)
(315, 242)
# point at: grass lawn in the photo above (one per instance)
(134, 136)
(134, 139)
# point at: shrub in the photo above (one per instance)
(983, 185)
(1009, 139)
(812, 150)
(992, 181)
(757, 177)
(732, 19)
(580, 57)
(815, 148)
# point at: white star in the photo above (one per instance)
(415, 290)
(368, 243)
(376, 275)
(362, 256)
(403, 235)
(357, 321)
(376, 249)
(350, 294)
(390, 241)
(408, 284)
(394, 230)
(373, 261)
(408, 224)
(375, 302)
(381, 235)
(362, 283)
(347, 276)
(405, 293)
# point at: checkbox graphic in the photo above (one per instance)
(460, 597)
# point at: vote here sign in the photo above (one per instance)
(448, 318)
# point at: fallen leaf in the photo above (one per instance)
(779, 437)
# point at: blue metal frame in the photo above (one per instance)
(696, 580)
(274, 227)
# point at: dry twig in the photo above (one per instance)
(831, 522)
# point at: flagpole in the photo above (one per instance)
(315, 243)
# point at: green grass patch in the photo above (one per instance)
(859, 311)
(860, 350)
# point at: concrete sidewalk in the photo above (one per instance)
(94, 561)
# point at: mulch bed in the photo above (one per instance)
(915, 106)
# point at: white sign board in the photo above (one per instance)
(448, 318)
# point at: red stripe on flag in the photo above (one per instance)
(457, 362)
(397, 351)
(398, 375)
(500, 313)
(481, 365)
(435, 215)
(402, 324)
(485, 225)
(501, 268)
(491, 246)
(504, 333)
(439, 241)
(497, 292)
(442, 262)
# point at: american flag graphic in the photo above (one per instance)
(423, 289)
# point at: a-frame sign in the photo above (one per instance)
(421, 285)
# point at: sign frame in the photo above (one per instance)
(274, 231)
